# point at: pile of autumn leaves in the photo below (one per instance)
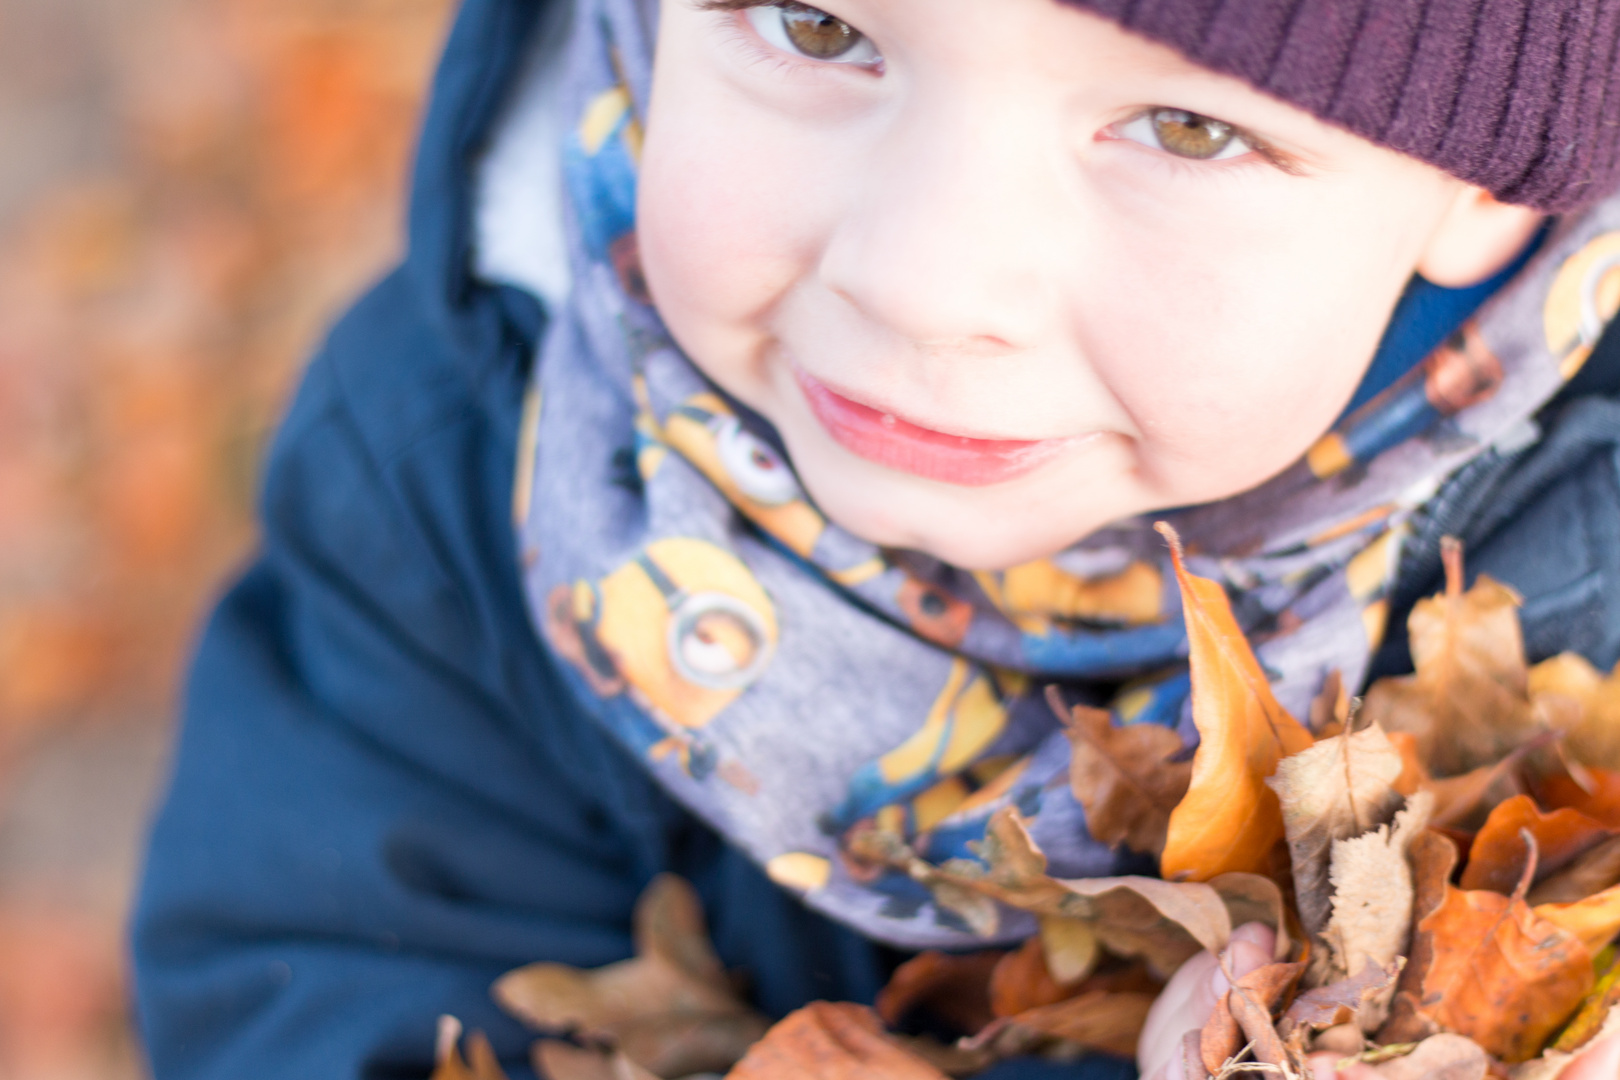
(1440, 865)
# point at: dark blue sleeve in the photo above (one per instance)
(380, 800)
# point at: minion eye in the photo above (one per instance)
(754, 465)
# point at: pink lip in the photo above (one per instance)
(885, 439)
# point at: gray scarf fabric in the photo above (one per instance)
(789, 681)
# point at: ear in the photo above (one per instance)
(1476, 237)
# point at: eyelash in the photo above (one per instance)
(1268, 154)
(780, 60)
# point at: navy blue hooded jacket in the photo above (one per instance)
(383, 797)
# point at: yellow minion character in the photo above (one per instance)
(747, 469)
(684, 628)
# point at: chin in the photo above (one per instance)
(970, 530)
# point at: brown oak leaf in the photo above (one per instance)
(1243, 1015)
(1123, 776)
(1468, 703)
(671, 1008)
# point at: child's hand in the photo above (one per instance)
(1190, 996)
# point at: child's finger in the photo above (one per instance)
(1189, 997)
(1600, 1061)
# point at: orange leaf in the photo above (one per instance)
(1594, 920)
(1262, 989)
(954, 988)
(1594, 792)
(1021, 982)
(480, 1064)
(1499, 973)
(1229, 820)
(826, 1041)
(1496, 859)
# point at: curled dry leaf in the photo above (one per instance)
(1591, 872)
(1123, 777)
(1338, 1002)
(1105, 1014)
(670, 1008)
(1594, 738)
(1594, 792)
(1432, 858)
(1243, 1016)
(1468, 704)
(1496, 859)
(1372, 898)
(1250, 898)
(1464, 802)
(956, 989)
(1499, 973)
(1229, 820)
(1340, 788)
(480, 1062)
(826, 1041)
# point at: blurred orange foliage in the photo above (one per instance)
(154, 314)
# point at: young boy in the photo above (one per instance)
(871, 340)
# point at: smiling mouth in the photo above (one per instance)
(885, 439)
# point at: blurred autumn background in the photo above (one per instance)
(189, 191)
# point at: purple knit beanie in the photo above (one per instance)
(1521, 97)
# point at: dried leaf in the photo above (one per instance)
(671, 1008)
(1496, 859)
(1021, 982)
(1250, 898)
(1591, 872)
(1439, 1057)
(1594, 792)
(1500, 974)
(1594, 920)
(1330, 709)
(1251, 997)
(1229, 820)
(1123, 776)
(956, 989)
(1594, 738)
(1467, 705)
(826, 1041)
(1432, 859)
(1340, 788)
(1464, 802)
(1373, 896)
(1335, 1003)
(1556, 1064)
(480, 1063)
(557, 1060)
(1106, 1014)
(1071, 949)
(1414, 774)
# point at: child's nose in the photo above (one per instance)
(953, 235)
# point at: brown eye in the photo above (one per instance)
(1189, 135)
(817, 34)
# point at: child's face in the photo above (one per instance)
(994, 277)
